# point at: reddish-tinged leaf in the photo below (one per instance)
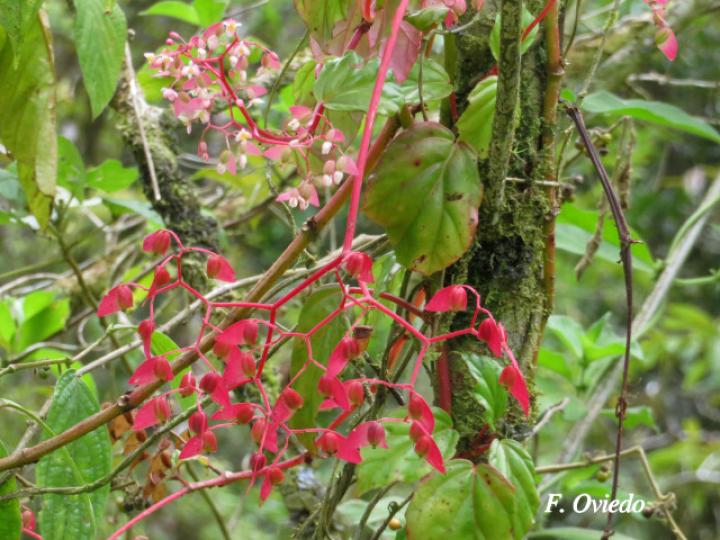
(407, 48)
(233, 374)
(425, 447)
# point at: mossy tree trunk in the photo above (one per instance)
(506, 262)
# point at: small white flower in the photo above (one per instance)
(242, 161)
(293, 124)
(221, 168)
(233, 60)
(243, 50)
(326, 147)
(169, 94)
(337, 177)
(327, 180)
(212, 42)
(230, 27)
(202, 53)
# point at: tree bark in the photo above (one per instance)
(506, 262)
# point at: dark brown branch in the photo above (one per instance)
(626, 242)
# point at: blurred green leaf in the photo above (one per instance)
(74, 517)
(43, 317)
(126, 206)
(111, 176)
(175, 9)
(100, 36)
(10, 516)
(635, 416)
(27, 113)
(71, 169)
(426, 18)
(209, 11)
(656, 112)
(575, 227)
(304, 82)
(399, 462)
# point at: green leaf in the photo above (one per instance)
(656, 112)
(175, 9)
(527, 19)
(399, 462)
(111, 176)
(100, 42)
(7, 325)
(320, 17)
(42, 324)
(210, 11)
(71, 169)
(436, 82)
(346, 84)
(512, 460)
(73, 517)
(569, 332)
(315, 308)
(426, 192)
(125, 206)
(303, 83)
(27, 113)
(572, 533)
(468, 502)
(488, 391)
(427, 18)
(15, 17)
(475, 123)
(10, 516)
(575, 227)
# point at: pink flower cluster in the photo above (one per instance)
(240, 352)
(214, 86)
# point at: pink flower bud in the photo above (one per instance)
(356, 393)
(276, 475)
(157, 242)
(146, 329)
(210, 382)
(209, 442)
(375, 434)
(125, 297)
(359, 265)
(198, 422)
(292, 399)
(188, 385)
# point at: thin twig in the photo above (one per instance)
(133, 84)
(626, 242)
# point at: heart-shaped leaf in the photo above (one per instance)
(513, 461)
(472, 502)
(425, 192)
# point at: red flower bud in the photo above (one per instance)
(452, 298)
(161, 408)
(162, 277)
(325, 385)
(209, 382)
(416, 431)
(221, 349)
(247, 365)
(292, 399)
(257, 430)
(198, 422)
(219, 268)
(209, 442)
(329, 442)
(276, 475)
(375, 433)
(416, 407)
(162, 368)
(356, 393)
(244, 413)
(257, 461)
(28, 520)
(423, 445)
(124, 297)
(145, 329)
(188, 384)
(359, 266)
(157, 242)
